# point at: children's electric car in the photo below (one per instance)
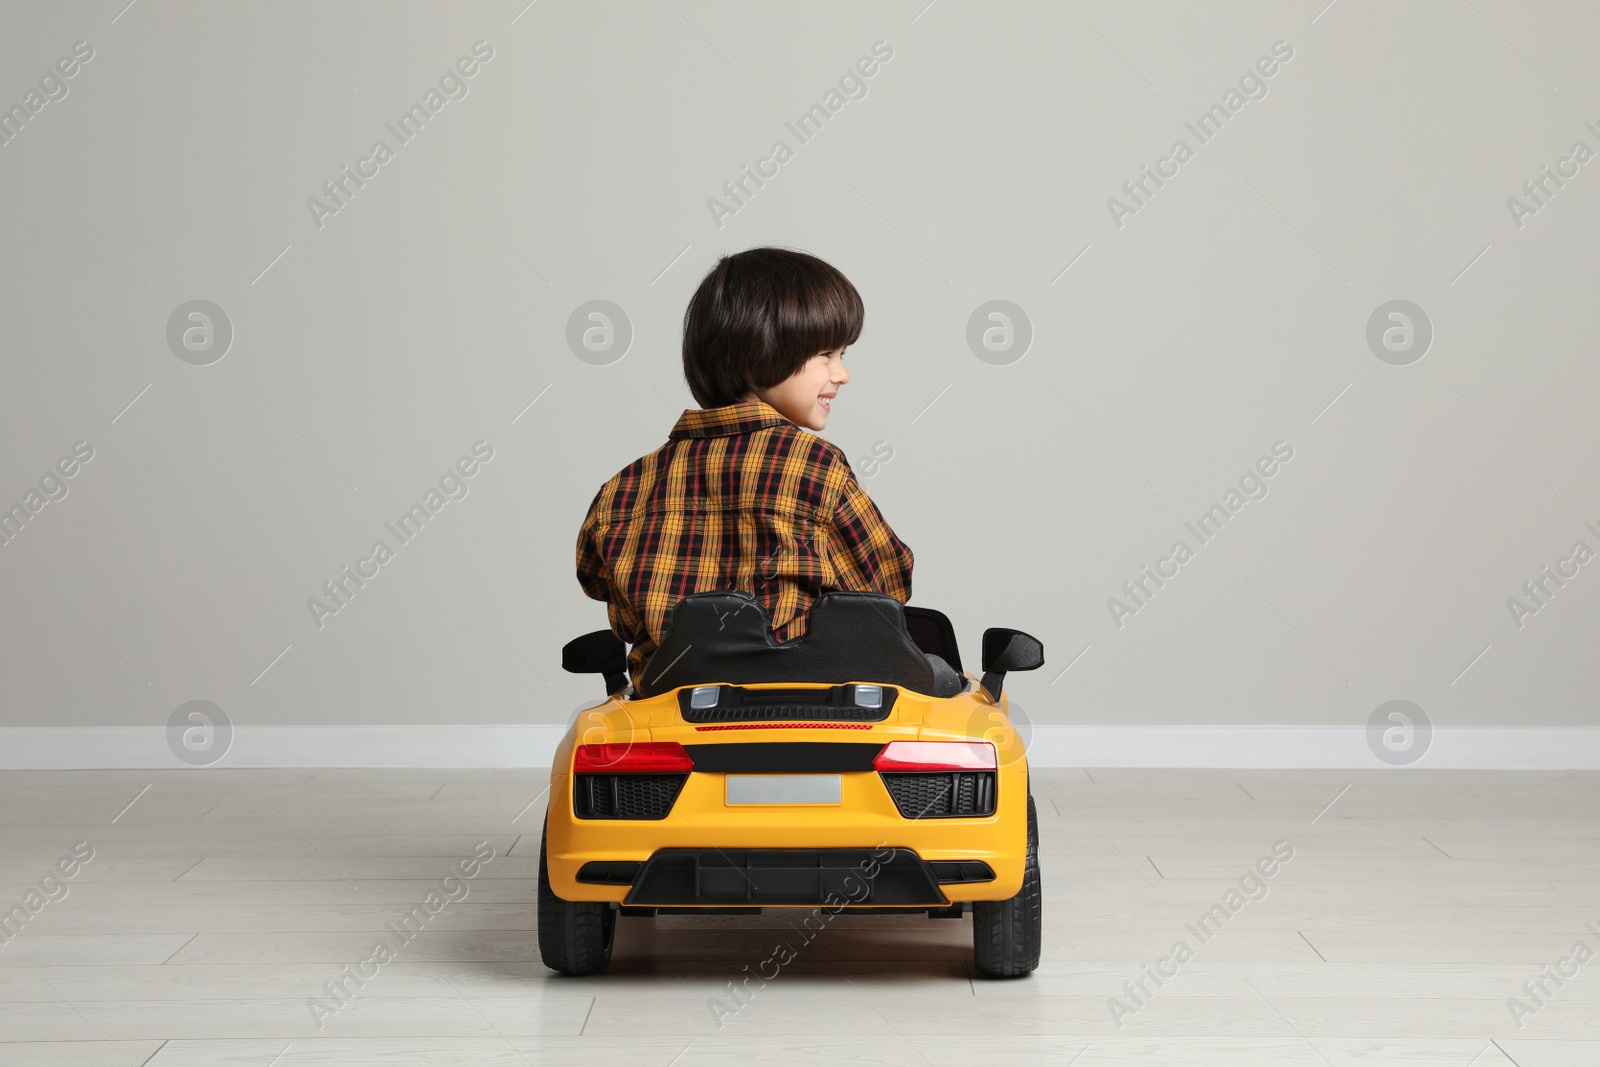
(854, 769)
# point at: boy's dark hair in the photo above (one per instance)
(758, 316)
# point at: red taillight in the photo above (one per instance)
(935, 756)
(639, 757)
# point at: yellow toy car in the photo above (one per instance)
(854, 769)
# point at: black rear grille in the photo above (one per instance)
(942, 794)
(625, 796)
(837, 703)
(946, 871)
(623, 872)
(804, 877)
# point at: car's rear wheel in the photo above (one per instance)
(1007, 934)
(574, 935)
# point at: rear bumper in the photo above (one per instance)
(862, 852)
(866, 811)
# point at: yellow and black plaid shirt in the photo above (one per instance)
(738, 498)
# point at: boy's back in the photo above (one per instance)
(738, 498)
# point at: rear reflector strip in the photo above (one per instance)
(789, 726)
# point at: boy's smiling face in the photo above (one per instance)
(806, 396)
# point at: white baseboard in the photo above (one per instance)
(1309, 747)
(145, 747)
(1265, 747)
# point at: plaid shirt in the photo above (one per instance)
(738, 498)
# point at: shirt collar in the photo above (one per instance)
(745, 417)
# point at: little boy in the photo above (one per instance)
(740, 497)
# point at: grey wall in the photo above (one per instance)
(1172, 346)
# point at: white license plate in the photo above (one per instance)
(785, 789)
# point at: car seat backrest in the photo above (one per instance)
(725, 636)
(932, 632)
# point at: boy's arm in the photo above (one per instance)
(594, 575)
(592, 571)
(591, 568)
(870, 558)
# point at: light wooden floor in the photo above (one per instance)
(217, 906)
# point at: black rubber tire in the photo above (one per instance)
(1007, 935)
(574, 935)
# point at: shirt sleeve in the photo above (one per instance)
(593, 574)
(867, 555)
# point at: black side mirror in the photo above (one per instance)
(601, 652)
(1007, 650)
